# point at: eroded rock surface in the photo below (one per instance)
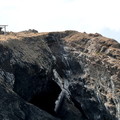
(59, 75)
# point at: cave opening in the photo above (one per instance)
(36, 88)
(46, 100)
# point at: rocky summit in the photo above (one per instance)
(59, 76)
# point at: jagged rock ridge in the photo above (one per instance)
(59, 75)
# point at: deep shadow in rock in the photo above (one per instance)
(46, 100)
(36, 87)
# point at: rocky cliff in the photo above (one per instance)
(59, 76)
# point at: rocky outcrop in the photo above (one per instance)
(59, 75)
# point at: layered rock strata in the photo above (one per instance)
(59, 76)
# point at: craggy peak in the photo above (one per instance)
(65, 75)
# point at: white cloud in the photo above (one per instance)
(54, 15)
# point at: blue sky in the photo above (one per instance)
(91, 16)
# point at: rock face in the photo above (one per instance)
(59, 76)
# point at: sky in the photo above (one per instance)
(91, 16)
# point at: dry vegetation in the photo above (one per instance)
(19, 35)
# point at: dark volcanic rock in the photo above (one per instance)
(12, 107)
(59, 75)
(88, 103)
